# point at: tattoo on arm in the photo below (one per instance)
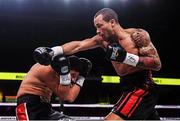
(141, 38)
(149, 58)
(149, 63)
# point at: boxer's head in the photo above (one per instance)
(105, 21)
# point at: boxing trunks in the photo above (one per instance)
(139, 97)
(33, 107)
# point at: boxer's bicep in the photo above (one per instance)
(148, 56)
(89, 43)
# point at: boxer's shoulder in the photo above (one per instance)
(41, 69)
(133, 30)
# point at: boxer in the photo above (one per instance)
(62, 77)
(132, 55)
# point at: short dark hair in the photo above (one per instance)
(108, 14)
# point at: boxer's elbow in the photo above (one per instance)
(69, 94)
(157, 67)
(70, 98)
(67, 98)
(122, 73)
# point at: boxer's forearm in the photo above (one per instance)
(77, 46)
(72, 47)
(152, 63)
(68, 93)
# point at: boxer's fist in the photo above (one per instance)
(61, 65)
(43, 55)
(86, 66)
(115, 52)
(141, 38)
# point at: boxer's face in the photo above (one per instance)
(103, 28)
(74, 75)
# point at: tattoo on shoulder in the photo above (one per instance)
(148, 53)
(141, 38)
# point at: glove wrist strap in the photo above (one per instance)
(65, 79)
(131, 59)
(80, 81)
(57, 50)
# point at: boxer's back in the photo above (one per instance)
(35, 81)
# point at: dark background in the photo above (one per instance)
(28, 24)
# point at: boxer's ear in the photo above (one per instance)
(113, 22)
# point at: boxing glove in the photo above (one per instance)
(75, 63)
(116, 52)
(44, 55)
(61, 65)
(86, 67)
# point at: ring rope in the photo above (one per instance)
(97, 105)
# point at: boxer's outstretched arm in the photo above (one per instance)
(149, 58)
(76, 46)
(44, 55)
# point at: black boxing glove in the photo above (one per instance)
(76, 64)
(86, 66)
(116, 52)
(61, 65)
(44, 55)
